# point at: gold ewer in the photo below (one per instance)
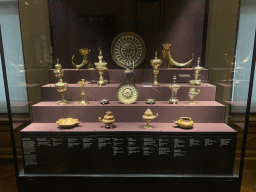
(148, 116)
(108, 119)
(101, 66)
(192, 92)
(82, 83)
(155, 64)
(174, 87)
(58, 72)
(61, 87)
(197, 69)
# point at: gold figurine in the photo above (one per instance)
(101, 66)
(155, 64)
(174, 87)
(192, 92)
(170, 61)
(82, 83)
(85, 52)
(61, 87)
(58, 72)
(108, 119)
(148, 116)
(197, 69)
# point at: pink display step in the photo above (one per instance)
(198, 128)
(95, 92)
(200, 112)
(140, 75)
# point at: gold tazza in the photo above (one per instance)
(170, 61)
(85, 52)
(185, 122)
(108, 119)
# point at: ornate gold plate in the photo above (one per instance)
(127, 93)
(128, 48)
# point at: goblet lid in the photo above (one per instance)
(156, 60)
(198, 67)
(58, 65)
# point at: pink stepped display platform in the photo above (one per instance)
(95, 92)
(167, 128)
(200, 112)
(207, 148)
(140, 75)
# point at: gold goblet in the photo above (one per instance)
(61, 87)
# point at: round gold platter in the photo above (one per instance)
(127, 93)
(128, 48)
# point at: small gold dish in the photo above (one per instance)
(67, 123)
(150, 101)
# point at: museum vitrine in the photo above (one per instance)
(155, 89)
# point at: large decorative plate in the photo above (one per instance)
(127, 93)
(128, 48)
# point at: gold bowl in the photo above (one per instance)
(67, 123)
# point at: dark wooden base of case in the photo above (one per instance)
(130, 183)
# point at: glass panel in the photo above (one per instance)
(28, 38)
(230, 42)
(72, 29)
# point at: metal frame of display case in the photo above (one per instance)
(134, 182)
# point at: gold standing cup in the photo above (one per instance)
(61, 87)
(155, 64)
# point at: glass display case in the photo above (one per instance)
(116, 91)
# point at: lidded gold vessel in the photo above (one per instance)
(108, 119)
(174, 87)
(61, 87)
(58, 72)
(101, 66)
(155, 64)
(148, 116)
(197, 70)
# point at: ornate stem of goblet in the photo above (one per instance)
(191, 100)
(62, 97)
